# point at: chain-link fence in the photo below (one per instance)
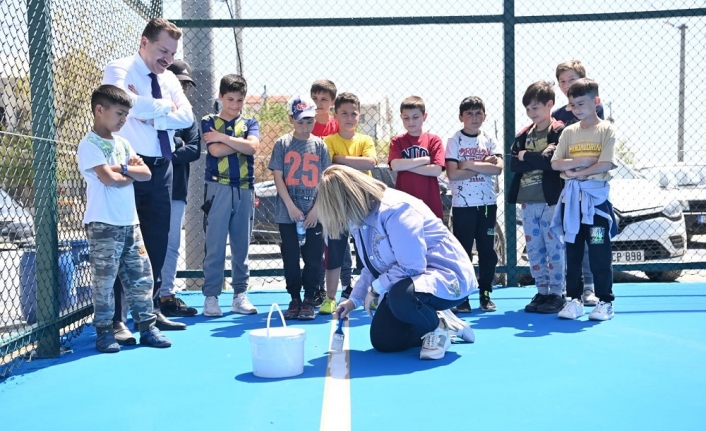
(644, 54)
(443, 52)
(52, 54)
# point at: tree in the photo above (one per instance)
(274, 122)
(76, 75)
(16, 167)
(624, 152)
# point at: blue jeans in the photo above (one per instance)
(171, 260)
(404, 316)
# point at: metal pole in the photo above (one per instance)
(198, 52)
(239, 37)
(682, 84)
(237, 32)
(509, 133)
(44, 165)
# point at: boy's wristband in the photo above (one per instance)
(123, 170)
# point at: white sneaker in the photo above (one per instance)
(572, 310)
(603, 311)
(211, 307)
(459, 328)
(589, 298)
(242, 305)
(436, 343)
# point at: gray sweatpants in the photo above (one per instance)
(228, 213)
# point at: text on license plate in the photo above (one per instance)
(628, 256)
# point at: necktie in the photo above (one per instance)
(162, 135)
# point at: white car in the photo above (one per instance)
(650, 224)
(687, 183)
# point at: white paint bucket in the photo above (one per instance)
(277, 352)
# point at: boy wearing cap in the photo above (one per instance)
(298, 160)
(187, 149)
(231, 142)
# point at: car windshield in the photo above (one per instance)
(624, 172)
(676, 177)
(8, 207)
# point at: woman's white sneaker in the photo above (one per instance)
(459, 328)
(436, 343)
(572, 310)
(603, 311)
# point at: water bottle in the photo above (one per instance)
(301, 232)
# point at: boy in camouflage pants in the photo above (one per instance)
(110, 165)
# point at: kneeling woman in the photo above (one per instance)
(412, 263)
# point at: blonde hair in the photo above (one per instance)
(346, 195)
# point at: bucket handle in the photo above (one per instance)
(269, 316)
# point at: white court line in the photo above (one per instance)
(336, 410)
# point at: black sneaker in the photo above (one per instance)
(319, 297)
(347, 292)
(464, 307)
(486, 304)
(293, 310)
(175, 307)
(306, 312)
(553, 304)
(538, 300)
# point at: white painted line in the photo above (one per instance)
(336, 410)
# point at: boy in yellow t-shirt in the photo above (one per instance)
(347, 147)
(584, 214)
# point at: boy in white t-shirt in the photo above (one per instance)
(110, 166)
(473, 163)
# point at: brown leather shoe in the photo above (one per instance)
(123, 335)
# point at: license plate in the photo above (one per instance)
(701, 219)
(628, 256)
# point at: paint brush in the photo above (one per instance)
(338, 335)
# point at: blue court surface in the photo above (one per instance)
(643, 370)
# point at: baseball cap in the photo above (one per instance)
(301, 107)
(182, 70)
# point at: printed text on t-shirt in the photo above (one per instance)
(414, 152)
(477, 154)
(309, 173)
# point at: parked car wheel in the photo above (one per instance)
(663, 276)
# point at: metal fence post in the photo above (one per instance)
(199, 52)
(44, 163)
(509, 133)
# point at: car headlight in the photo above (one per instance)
(673, 210)
(684, 205)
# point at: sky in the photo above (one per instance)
(636, 63)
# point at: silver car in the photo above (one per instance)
(16, 223)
